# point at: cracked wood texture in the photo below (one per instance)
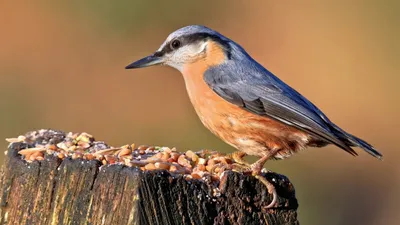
(55, 191)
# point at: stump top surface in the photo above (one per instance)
(75, 172)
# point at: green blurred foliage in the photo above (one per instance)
(62, 66)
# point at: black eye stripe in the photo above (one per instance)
(192, 38)
(159, 53)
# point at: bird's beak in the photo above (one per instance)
(146, 61)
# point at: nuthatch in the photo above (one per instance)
(244, 104)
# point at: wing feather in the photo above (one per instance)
(274, 99)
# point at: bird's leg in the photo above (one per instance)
(255, 170)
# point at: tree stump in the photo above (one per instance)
(77, 190)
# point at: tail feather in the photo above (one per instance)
(352, 140)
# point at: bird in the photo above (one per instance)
(245, 104)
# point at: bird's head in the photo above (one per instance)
(188, 45)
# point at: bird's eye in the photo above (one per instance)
(175, 44)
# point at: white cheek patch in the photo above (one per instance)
(191, 51)
(188, 51)
(184, 54)
(203, 47)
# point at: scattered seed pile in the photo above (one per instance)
(205, 165)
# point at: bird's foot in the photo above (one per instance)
(241, 166)
(254, 170)
(271, 190)
(237, 158)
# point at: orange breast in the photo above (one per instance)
(246, 131)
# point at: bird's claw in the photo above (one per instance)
(237, 157)
(271, 190)
(253, 170)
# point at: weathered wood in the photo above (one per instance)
(55, 191)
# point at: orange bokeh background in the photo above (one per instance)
(62, 66)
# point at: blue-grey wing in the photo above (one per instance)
(266, 95)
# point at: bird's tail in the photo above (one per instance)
(352, 140)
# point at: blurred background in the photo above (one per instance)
(62, 67)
